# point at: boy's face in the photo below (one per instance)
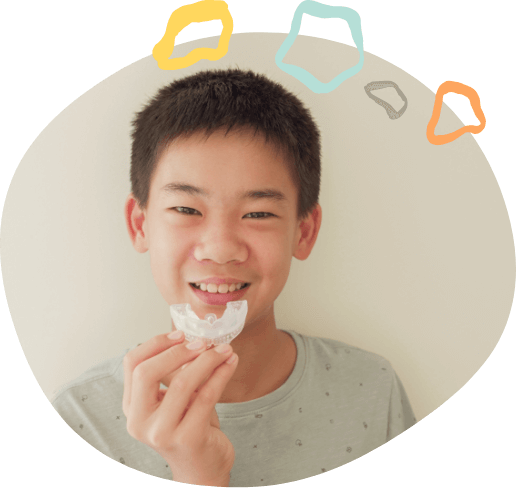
(213, 230)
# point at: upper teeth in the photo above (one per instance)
(223, 288)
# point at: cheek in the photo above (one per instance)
(167, 250)
(275, 258)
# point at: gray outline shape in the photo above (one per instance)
(377, 85)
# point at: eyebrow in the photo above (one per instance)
(268, 193)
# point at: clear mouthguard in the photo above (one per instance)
(211, 330)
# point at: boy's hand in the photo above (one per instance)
(180, 423)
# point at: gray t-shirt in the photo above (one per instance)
(339, 403)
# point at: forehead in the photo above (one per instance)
(238, 151)
(223, 165)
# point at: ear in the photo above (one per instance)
(306, 234)
(135, 220)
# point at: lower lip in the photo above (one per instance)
(219, 298)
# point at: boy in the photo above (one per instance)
(225, 175)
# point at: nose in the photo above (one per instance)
(221, 243)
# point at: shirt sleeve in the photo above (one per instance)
(400, 416)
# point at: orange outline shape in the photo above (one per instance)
(475, 103)
(202, 11)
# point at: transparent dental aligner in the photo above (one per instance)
(211, 330)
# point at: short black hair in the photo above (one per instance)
(228, 99)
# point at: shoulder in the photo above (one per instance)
(355, 379)
(323, 347)
(340, 361)
(107, 374)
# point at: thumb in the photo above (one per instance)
(214, 419)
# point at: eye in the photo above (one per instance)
(184, 208)
(266, 214)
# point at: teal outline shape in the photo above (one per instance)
(321, 11)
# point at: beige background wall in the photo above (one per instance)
(415, 259)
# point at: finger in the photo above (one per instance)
(210, 393)
(167, 379)
(181, 369)
(147, 377)
(214, 419)
(140, 354)
(181, 389)
(186, 364)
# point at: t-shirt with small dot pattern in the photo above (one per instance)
(339, 403)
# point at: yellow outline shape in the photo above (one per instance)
(202, 11)
(475, 103)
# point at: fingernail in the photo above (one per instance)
(175, 335)
(232, 358)
(196, 345)
(222, 348)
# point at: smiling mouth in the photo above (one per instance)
(246, 285)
